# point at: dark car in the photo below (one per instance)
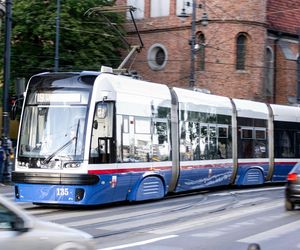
(292, 190)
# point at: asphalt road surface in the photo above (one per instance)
(216, 219)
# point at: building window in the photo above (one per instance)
(182, 4)
(140, 8)
(157, 56)
(160, 8)
(201, 51)
(269, 79)
(241, 43)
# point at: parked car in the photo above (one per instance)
(19, 230)
(292, 190)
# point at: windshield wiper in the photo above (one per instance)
(77, 131)
(49, 158)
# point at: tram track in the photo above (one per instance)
(141, 217)
(172, 216)
(204, 207)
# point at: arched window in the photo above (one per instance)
(201, 51)
(241, 43)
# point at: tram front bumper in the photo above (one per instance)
(55, 188)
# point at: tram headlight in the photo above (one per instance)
(72, 165)
(23, 164)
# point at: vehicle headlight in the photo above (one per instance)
(23, 164)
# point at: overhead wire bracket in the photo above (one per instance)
(118, 9)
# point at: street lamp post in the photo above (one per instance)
(5, 170)
(192, 41)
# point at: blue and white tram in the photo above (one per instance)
(93, 138)
(286, 146)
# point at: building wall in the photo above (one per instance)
(283, 20)
(227, 19)
(286, 70)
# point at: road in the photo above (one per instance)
(218, 219)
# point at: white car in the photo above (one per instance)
(18, 230)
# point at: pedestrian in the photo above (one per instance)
(2, 159)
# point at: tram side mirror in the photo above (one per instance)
(16, 106)
(95, 124)
(13, 112)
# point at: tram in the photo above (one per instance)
(91, 138)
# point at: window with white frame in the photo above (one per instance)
(140, 8)
(160, 8)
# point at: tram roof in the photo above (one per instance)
(198, 98)
(286, 113)
(251, 109)
(127, 85)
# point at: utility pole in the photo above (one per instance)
(5, 173)
(193, 42)
(56, 58)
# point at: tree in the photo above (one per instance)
(86, 41)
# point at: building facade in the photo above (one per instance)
(247, 50)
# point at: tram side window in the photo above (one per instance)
(252, 143)
(260, 147)
(126, 130)
(246, 143)
(136, 139)
(284, 144)
(201, 141)
(142, 139)
(187, 137)
(213, 147)
(204, 141)
(224, 142)
(161, 148)
(286, 140)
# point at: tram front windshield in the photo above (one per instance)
(53, 126)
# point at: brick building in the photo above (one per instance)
(248, 49)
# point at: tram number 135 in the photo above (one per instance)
(62, 191)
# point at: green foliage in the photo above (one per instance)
(86, 41)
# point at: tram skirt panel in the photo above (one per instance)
(149, 188)
(252, 176)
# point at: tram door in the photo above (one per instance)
(103, 144)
